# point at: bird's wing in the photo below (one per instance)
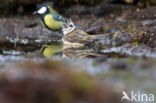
(58, 18)
(52, 11)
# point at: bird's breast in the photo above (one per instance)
(51, 23)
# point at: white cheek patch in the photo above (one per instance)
(42, 10)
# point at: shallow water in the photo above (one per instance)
(121, 72)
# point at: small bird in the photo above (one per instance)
(51, 19)
(75, 37)
(79, 44)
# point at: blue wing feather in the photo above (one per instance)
(58, 18)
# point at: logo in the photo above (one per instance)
(137, 97)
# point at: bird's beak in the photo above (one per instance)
(35, 12)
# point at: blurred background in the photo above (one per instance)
(36, 68)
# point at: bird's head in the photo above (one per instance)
(42, 10)
(68, 27)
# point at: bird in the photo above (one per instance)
(79, 44)
(50, 18)
(77, 38)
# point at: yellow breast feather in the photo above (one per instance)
(51, 23)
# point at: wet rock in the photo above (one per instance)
(78, 38)
(130, 50)
(150, 35)
(15, 30)
(125, 50)
(146, 13)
